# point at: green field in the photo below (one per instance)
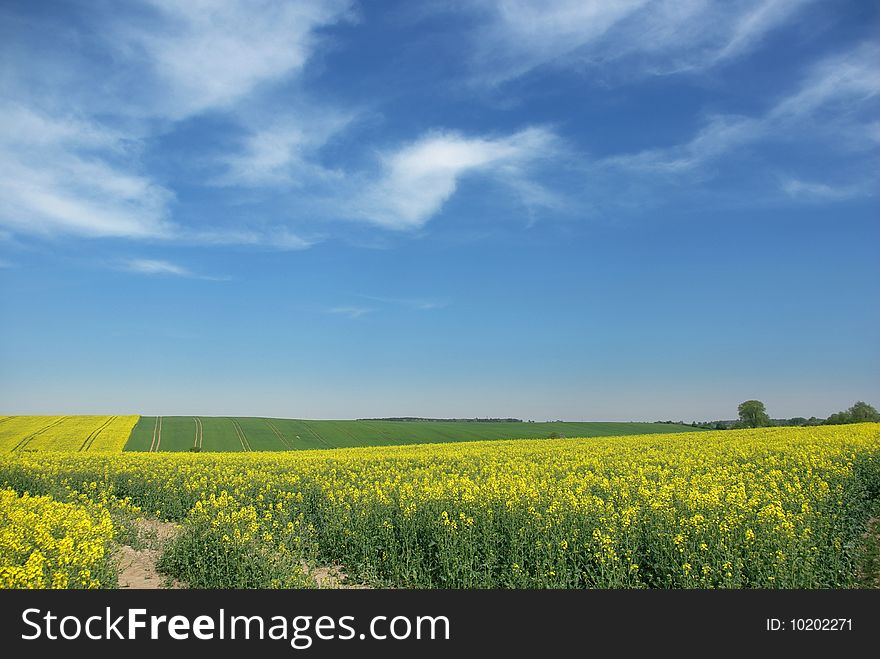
(182, 433)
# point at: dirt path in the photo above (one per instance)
(137, 567)
(157, 435)
(197, 443)
(332, 577)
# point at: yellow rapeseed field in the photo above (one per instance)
(765, 508)
(65, 433)
(48, 544)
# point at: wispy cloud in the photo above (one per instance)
(516, 37)
(70, 162)
(205, 55)
(156, 267)
(752, 24)
(826, 102)
(350, 311)
(836, 83)
(419, 304)
(816, 191)
(284, 153)
(716, 138)
(62, 174)
(269, 237)
(418, 178)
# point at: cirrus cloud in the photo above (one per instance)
(418, 178)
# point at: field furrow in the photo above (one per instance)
(197, 442)
(241, 436)
(66, 433)
(281, 438)
(23, 444)
(94, 434)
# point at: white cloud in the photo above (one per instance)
(841, 82)
(70, 162)
(272, 237)
(659, 36)
(420, 177)
(418, 304)
(753, 24)
(283, 154)
(156, 267)
(266, 158)
(283, 238)
(526, 34)
(66, 175)
(816, 191)
(350, 312)
(209, 54)
(716, 138)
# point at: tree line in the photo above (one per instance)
(753, 414)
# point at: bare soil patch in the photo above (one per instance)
(331, 577)
(137, 566)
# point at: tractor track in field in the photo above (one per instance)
(245, 444)
(278, 434)
(87, 444)
(157, 435)
(26, 440)
(318, 437)
(197, 442)
(348, 432)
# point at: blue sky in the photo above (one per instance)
(550, 210)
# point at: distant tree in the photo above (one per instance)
(861, 412)
(753, 414)
(838, 418)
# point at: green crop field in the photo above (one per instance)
(183, 433)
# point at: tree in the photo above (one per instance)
(838, 418)
(753, 414)
(858, 413)
(861, 412)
